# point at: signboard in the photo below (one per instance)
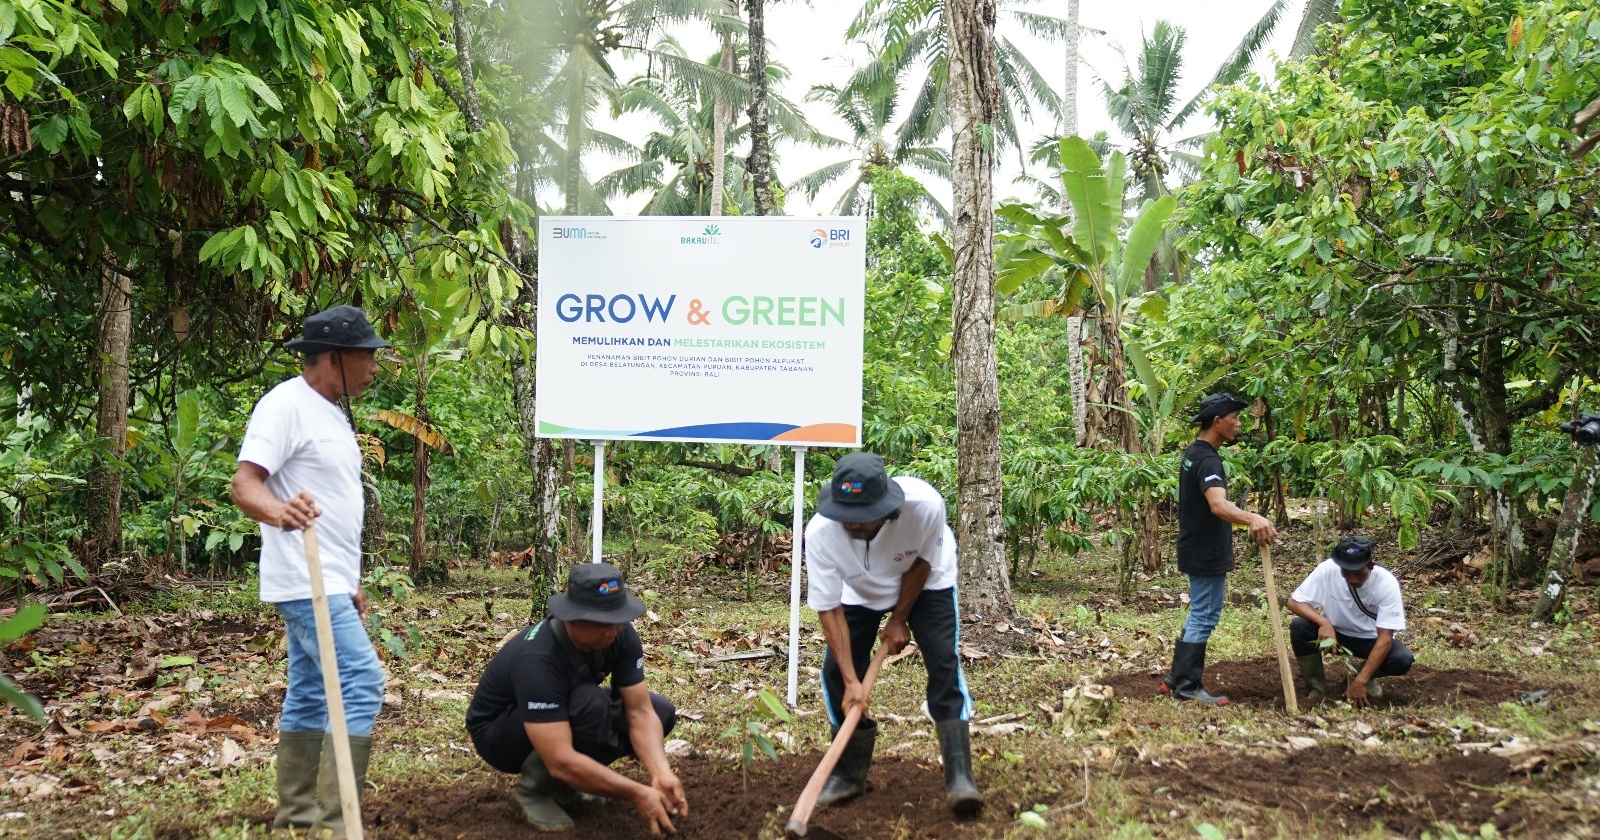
(739, 329)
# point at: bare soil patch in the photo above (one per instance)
(1338, 788)
(1256, 682)
(905, 798)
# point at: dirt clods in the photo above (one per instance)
(1256, 682)
(905, 798)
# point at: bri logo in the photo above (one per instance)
(851, 487)
(830, 237)
(610, 587)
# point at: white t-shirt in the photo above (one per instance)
(304, 442)
(1327, 590)
(843, 570)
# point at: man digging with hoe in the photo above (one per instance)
(879, 547)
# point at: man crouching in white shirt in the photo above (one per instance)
(1361, 613)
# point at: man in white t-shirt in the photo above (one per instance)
(300, 462)
(1361, 612)
(880, 547)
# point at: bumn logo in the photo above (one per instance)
(575, 233)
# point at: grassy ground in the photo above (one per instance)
(145, 743)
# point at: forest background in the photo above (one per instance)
(1387, 243)
(1384, 244)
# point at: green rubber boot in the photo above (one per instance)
(299, 755)
(330, 824)
(535, 792)
(1316, 680)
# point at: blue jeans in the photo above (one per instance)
(1206, 594)
(305, 704)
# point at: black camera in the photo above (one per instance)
(1585, 430)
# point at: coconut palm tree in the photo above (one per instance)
(578, 39)
(870, 113)
(909, 36)
(677, 162)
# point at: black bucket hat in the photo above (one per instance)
(339, 328)
(1353, 553)
(595, 592)
(1217, 405)
(860, 491)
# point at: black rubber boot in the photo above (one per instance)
(331, 820)
(849, 777)
(535, 792)
(1177, 681)
(1316, 678)
(955, 749)
(299, 756)
(1188, 666)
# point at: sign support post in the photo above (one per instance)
(797, 539)
(597, 513)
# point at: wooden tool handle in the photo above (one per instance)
(349, 796)
(808, 797)
(1289, 700)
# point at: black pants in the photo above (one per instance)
(1303, 635)
(935, 625)
(599, 729)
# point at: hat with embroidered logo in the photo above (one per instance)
(339, 328)
(1219, 404)
(1353, 553)
(860, 491)
(595, 592)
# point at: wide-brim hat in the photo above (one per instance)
(1353, 553)
(860, 491)
(595, 592)
(1219, 404)
(339, 328)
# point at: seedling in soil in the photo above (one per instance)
(753, 732)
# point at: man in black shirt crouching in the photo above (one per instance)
(540, 709)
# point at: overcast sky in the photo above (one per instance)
(810, 41)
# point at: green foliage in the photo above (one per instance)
(752, 734)
(22, 622)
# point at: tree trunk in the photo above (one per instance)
(1574, 513)
(544, 567)
(113, 342)
(1069, 87)
(469, 84)
(572, 175)
(721, 116)
(760, 154)
(1120, 422)
(419, 479)
(419, 504)
(974, 101)
(1280, 506)
(1080, 403)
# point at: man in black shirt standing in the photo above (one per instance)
(540, 710)
(1205, 541)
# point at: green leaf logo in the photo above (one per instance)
(712, 230)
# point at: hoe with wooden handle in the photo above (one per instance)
(349, 796)
(1289, 701)
(808, 797)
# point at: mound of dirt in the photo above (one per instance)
(1256, 682)
(1337, 787)
(904, 799)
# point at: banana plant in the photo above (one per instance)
(1091, 256)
